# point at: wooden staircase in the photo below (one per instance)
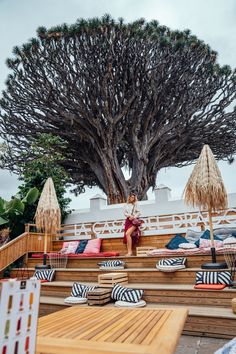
(210, 312)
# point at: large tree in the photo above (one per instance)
(134, 95)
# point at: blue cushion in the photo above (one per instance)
(234, 234)
(206, 236)
(175, 242)
(81, 247)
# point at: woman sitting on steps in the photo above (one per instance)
(131, 228)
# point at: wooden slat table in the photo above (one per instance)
(87, 330)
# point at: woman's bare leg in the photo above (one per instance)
(129, 239)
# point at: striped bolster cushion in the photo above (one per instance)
(115, 263)
(172, 261)
(80, 290)
(210, 277)
(47, 274)
(126, 294)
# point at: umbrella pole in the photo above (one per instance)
(214, 264)
(45, 250)
(213, 250)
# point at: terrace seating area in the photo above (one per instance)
(210, 312)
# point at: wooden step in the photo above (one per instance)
(193, 261)
(136, 275)
(210, 321)
(159, 293)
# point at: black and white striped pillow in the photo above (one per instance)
(47, 274)
(210, 277)
(172, 261)
(80, 290)
(126, 294)
(113, 263)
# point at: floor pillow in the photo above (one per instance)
(111, 264)
(46, 274)
(170, 268)
(120, 303)
(210, 286)
(171, 264)
(75, 300)
(126, 294)
(213, 277)
(80, 290)
(111, 268)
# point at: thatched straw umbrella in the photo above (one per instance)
(205, 188)
(48, 213)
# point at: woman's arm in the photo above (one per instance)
(137, 212)
(126, 211)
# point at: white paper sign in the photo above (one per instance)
(19, 304)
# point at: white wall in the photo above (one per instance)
(163, 204)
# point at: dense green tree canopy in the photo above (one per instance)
(137, 95)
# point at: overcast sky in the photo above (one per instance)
(214, 21)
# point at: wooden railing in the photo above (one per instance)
(13, 250)
(152, 226)
(23, 244)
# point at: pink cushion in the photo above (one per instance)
(207, 243)
(93, 246)
(69, 247)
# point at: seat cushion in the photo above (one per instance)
(213, 277)
(100, 254)
(75, 300)
(210, 286)
(45, 274)
(126, 294)
(111, 264)
(170, 268)
(120, 303)
(80, 290)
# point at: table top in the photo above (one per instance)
(110, 330)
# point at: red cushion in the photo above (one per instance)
(210, 286)
(38, 255)
(43, 281)
(86, 255)
(81, 255)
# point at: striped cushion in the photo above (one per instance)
(172, 261)
(80, 290)
(210, 277)
(46, 274)
(126, 294)
(112, 264)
